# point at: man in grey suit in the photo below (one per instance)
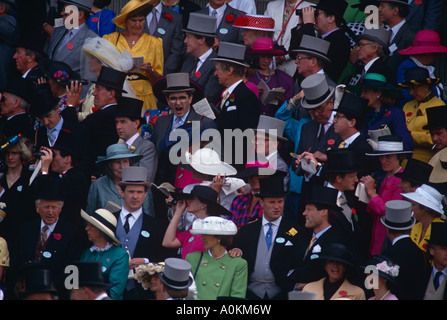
(179, 92)
(128, 120)
(226, 16)
(199, 40)
(66, 44)
(167, 25)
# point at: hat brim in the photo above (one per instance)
(80, 6)
(239, 62)
(266, 132)
(212, 232)
(109, 85)
(175, 284)
(422, 50)
(160, 89)
(400, 226)
(202, 34)
(312, 53)
(275, 52)
(100, 226)
(373, 39)
(146, 8)
(310, 104)
(413, 196)
(134, 183)
(259, 29)
(133, 156)
(396, 2)
(407, 84)
(384, 153)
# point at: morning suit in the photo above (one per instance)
(283, 253)
(413, 268)
(225, 30)
(147, 149)
(204, 76)
(171, 31)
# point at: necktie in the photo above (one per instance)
(194, 68)
(43, 234)
(52, 136)
(224, 98)
(154, 22)
(342, 145)
(126, 224)
(436, 279)
(177, 122)
(312, 241)
(214, 14)
(321, 132)
(268, 236)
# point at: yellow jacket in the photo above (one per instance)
(346, 290)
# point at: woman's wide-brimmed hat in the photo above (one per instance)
(375, 81)
(335, 252)
(134, 6)
(417, 76)
(264, 46)
(439, 163)
(232, 53)
(429, 197)
(176, 274)
(390, 144)
(209, 196)
(425, 41)
(144, 273)
(207, 161)
(108, 54)
(398, 215)
(85, 5)
(118, 151)
(177, 82)
(104, 220)
(316, 91)
(255, 22)
(214, 226)
(386, 268)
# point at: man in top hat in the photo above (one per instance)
(180, 92)
(38, 283)
(27, 58)
(167, 24)
(176, 278)
(91, 283)
(269, 244)
(66, 44)
(199, 39)
(393, 13)
(128, 121)
(14, 104)
(51, 240)
(415, 174)
(413, 263)
(140, 234)
(437, 280)
(226, 16)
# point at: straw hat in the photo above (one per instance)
(104, 220)
(108, 54)
(133, 6)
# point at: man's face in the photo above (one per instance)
(322, 22)
(51, 119)
(133, 196)
(439, 254)
(103, 96)
(222, 75)
(263, 145)
(49, 210)
(322, 113)
(22, 60)
(59, 163)
(193, 44)
(313, 217)
(216, 3)
(305, 64)
(341, 123)
(180, 103)
(347, 181)
(386, 12)
(8, 104)
(273, 207)
(367, 50)
(125, 127)
(439, 138)
(406, 187)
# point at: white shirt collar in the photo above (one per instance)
(395, 29)
(50, 226)
(203, 57)
(234, 85)
(135, 215)
(132, 140)
(400, 237)
(352, 138)
(369, 64)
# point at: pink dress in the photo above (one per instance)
(190, 243)
(388, 190)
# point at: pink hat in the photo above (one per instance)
(426, 41)
(255, 22)
(265, 46)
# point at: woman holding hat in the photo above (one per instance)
(265, 50)
(388, 273)
(100, 228)
(201, 202)
(338, 262)
(391, 154)
(106, 188)
(427, 205)
(217, 275)
(421, 85)
(382, 111)
(140, 44)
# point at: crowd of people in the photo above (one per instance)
(331, 186)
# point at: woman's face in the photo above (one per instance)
(419, 92)
(155, 282)
(209, 241)
(135, 25)
(335, 270)
(117, 166)
(93, 233)
(390, 163)
(371, 96)
(265, 62)
(95, 65)
(13, 158)
(418, 211)
(194, 205)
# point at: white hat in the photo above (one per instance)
(214, 226)
(207, 161)
(427, 196)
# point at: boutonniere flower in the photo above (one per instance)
(409, 114)
(94, 109)
(168, 17)
(354, 214)
(2, 205)
(387, 113)
(232, 97)
(343, 293)
(292, 232)
(229, 18)
(57, 236)
(418, 2)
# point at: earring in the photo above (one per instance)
(201, 207)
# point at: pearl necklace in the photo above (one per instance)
(386, 293)
(217, 258)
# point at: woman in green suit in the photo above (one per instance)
(216, 274)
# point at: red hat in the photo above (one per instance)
(255, 22)
(265, 46)
(425, 41)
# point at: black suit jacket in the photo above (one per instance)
(338, 53)
(284, 253)
(20, 123)
(368, 164)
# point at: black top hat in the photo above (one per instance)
(271, 186)
(417, 76)
(438, 234)
(37, 279)
(324, 196)
(111, 78)
(67, 142)
(42, 100)
(437, 118)
(209, 196)
(334, 7)
(90, 274)
(416, 171)
(353, 105)
(47, 189)
(19, 86)
(341, 161)
(58, 71)
(130, 108)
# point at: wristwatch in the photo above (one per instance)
(44, 173)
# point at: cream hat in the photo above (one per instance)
(214, 226)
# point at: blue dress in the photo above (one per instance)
(102, 22)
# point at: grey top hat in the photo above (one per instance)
(232, 52)
(176, 82)
(118, 151)
(316, 91)
(85, 5)
(272, 126)
(398, 215)
(201, 24)
(314, 46)
(381, 36)
(176, 273)
(134, 175)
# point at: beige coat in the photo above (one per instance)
(346, 291)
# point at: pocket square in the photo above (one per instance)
(231, 108)
(288, 243)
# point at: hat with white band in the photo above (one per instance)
(389, 145)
